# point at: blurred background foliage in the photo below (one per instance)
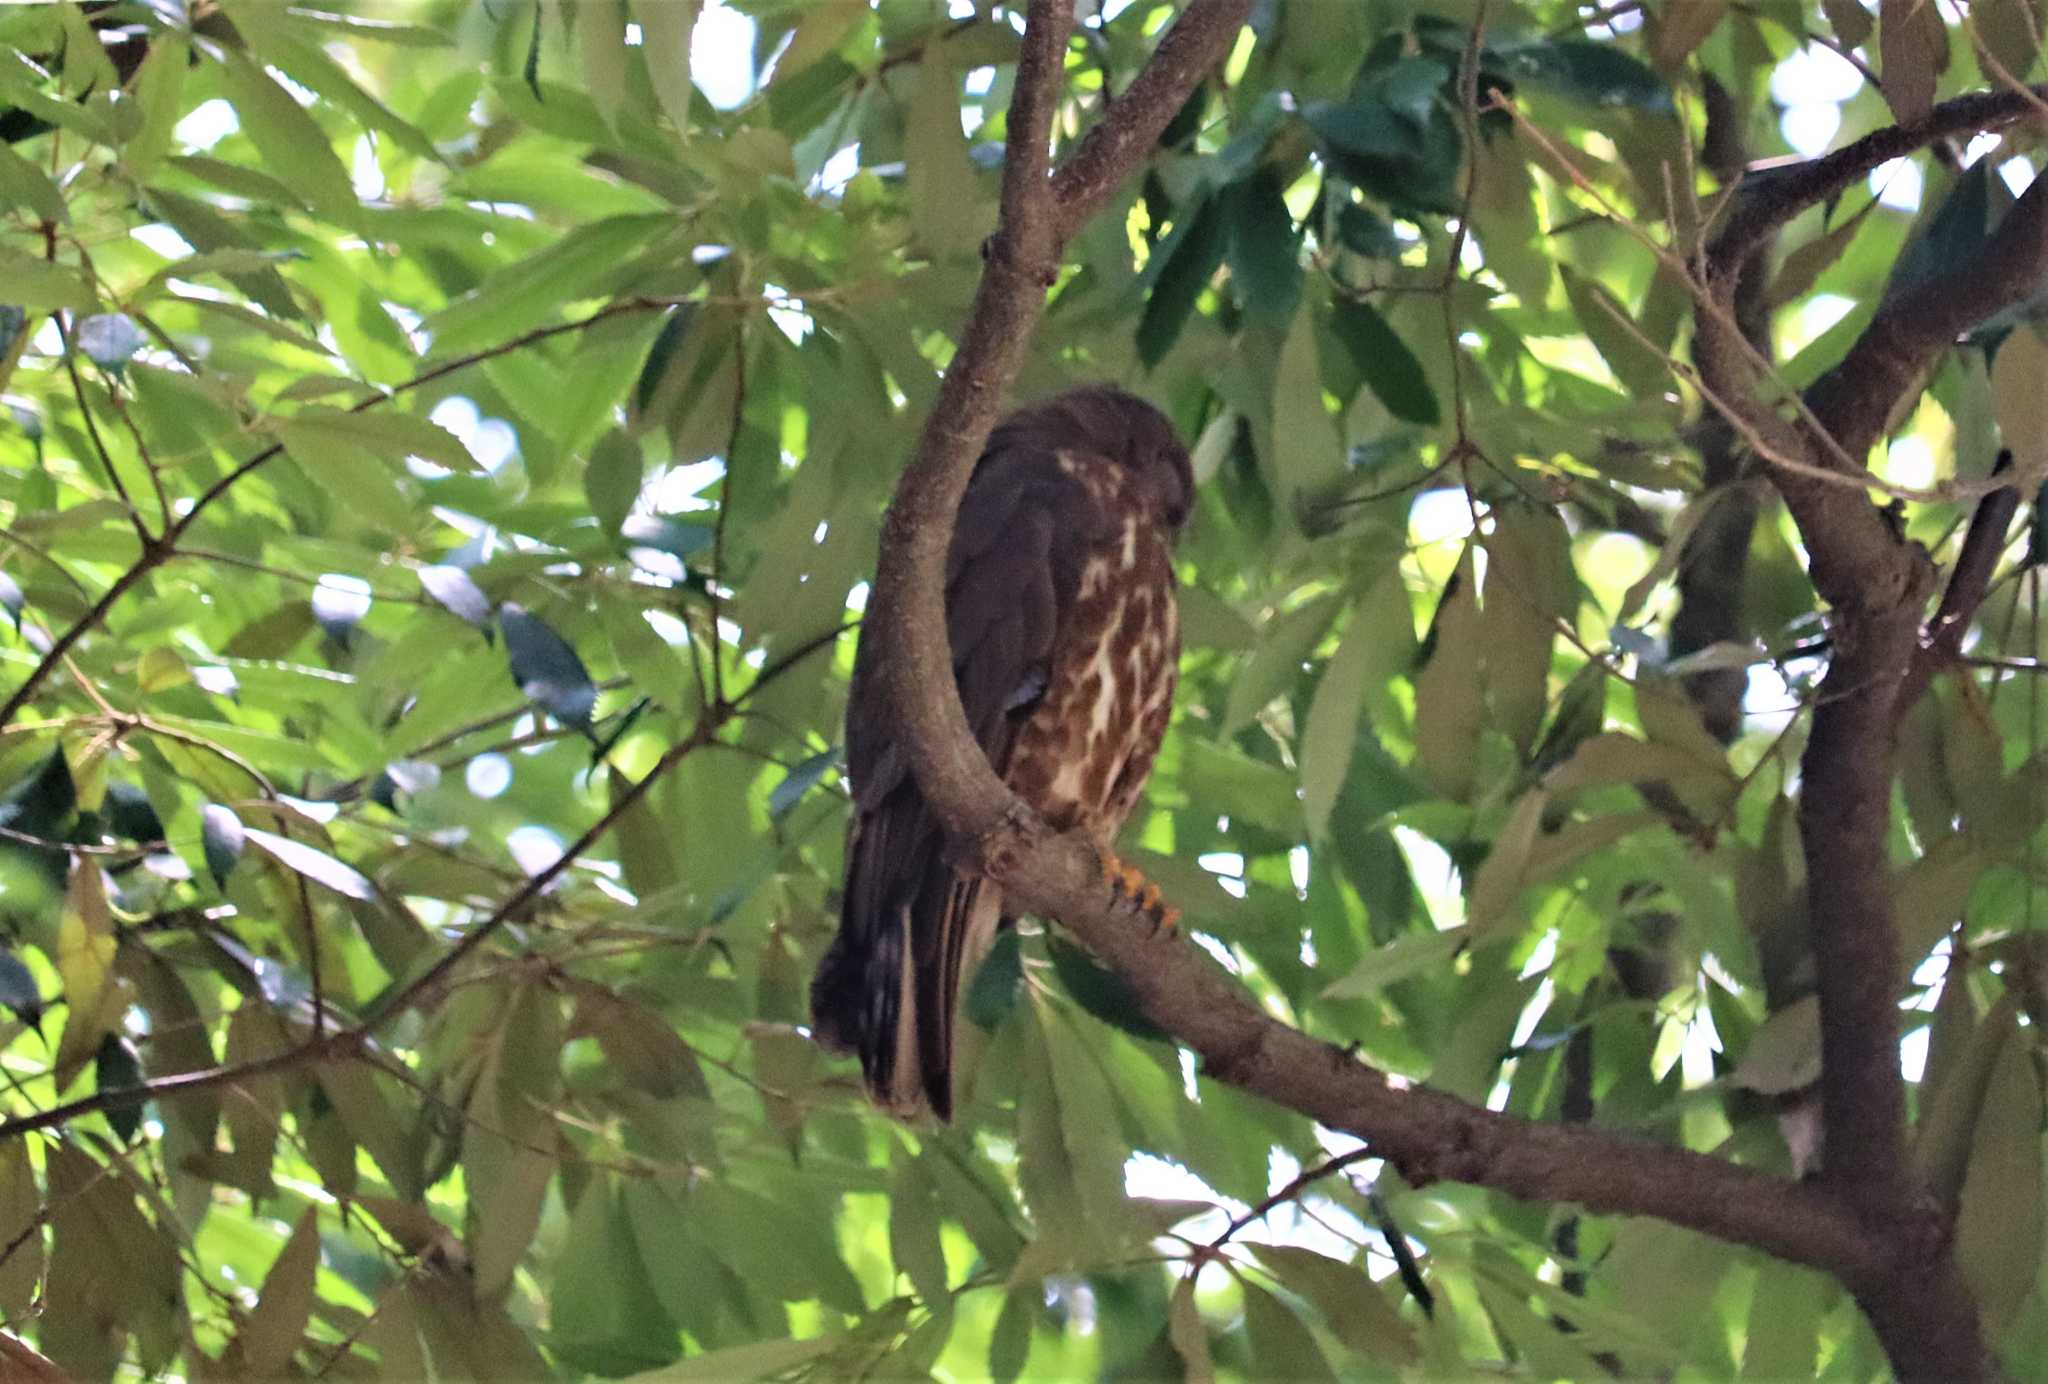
(458, 415)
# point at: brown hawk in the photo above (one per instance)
(1066, 640)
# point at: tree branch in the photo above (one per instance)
(1771, 197)
(1133, 121)
(1891, 357)
(1877, 584)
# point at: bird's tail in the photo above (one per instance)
(889, 987)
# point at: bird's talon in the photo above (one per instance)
(1128, 882)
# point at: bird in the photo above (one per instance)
(1065, 634)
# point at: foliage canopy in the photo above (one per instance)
(445, 450)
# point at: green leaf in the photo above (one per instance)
(742, 1364)
(1009, 1345)
(316, 865)
(773, 1244)
(639, 1045)
(275, 1328)
(546, 668)
(1503, 874)
(1412, 954)
(800, 781)
(1385, 361)
(947, 210)
(20, 1210)
(1641, 369)
(1784, 1053)
(612, 478)
(1190, 1336)
(914, 1230)
(1999, 1226)
(384, 433)
(666, 27)
(1353, 1307)
(39, 286)
(506, 1150)
(601, 44)
(22, 184)
(604, 1315)
(1394, 138)
(996, 984)
(1283, 1346)
(1530, 592)
(1450, 709)
(159, 88)
(293, 146)
(535, 289)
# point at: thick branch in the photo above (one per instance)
(1426, 1134)
(1877, 584)
(1891, 357)
(1133, 121)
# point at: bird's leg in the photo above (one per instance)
(997, 852)
(1127, 881)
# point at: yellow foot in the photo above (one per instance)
(1128, 882)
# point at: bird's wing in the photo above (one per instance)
(912, 928)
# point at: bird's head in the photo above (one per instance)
(1116, 423)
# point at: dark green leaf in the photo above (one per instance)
(1600, 74)
(42, 804)
(1182, 266)
(993, 992)
(1265, 248)
(128, 812)
(18, 990)
(1385, 361)
(546, 668)
(222, 837)
(1363, 232)
(1099, 990)
(674, 331)
(799, 781)
(119, 1068)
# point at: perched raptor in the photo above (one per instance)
(1060, 609)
